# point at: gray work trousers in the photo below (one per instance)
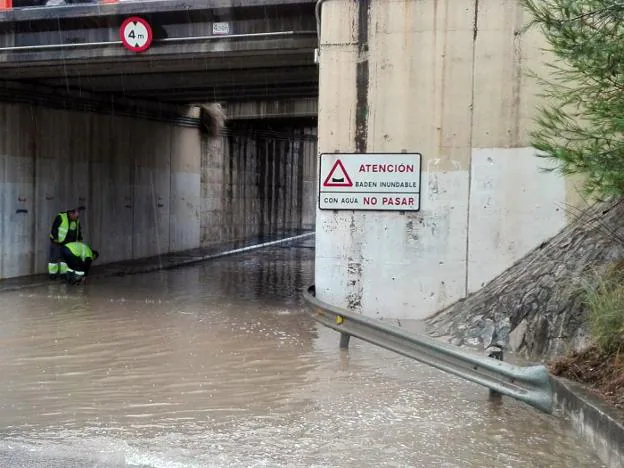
(54, 253)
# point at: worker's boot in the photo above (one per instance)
(78, 277)
(53, 271)
(70, 277)
(64, 270)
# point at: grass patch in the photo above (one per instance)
(606, 310)
(601, 367)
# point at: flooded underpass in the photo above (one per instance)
(217, 365)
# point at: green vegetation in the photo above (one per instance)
(601, 366)
(581, 126)
(606, 310)
(582, 123)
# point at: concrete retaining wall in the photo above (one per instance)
(448, 79)
(139, 180)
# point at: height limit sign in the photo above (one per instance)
(374, 181)
(136, 34)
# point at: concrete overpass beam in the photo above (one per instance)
(273, 109)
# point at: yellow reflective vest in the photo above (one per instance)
(65, 226)
(80, 249)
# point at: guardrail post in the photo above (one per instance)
(498, 341)
(344, 340)
(344, 337)
(495, 352)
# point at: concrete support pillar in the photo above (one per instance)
(184, 231)
(308, 207)
(419, 77)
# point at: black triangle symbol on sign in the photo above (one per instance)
(338, 177)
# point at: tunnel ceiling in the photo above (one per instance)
(268, 54)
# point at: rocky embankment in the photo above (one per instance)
(540, 298)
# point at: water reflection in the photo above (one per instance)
(216, 365)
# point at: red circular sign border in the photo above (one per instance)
(150, 36)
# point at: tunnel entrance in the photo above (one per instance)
(91, 123)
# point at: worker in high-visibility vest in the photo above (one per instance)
(65, 229)
(78, 256)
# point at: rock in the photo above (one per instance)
(516, 337)
(487, 334)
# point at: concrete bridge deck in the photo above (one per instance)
(267, 52)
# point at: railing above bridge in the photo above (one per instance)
(69, 7)
(10, 4)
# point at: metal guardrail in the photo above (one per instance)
(531, 385)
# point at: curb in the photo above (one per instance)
(199, 258)
(175, 261)
(202, 258)
(592, 420)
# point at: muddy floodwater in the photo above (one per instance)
(217, 365)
